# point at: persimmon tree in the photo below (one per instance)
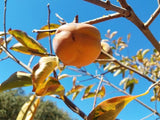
(46, 75)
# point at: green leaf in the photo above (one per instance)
(28, 110)
(46, 34)
(18, 79)
(28, 41)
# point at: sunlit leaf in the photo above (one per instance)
(63, 76)
(28, 41)
(123, 81)
(28, 110)
(43, 69)
(88, 95)
(18, 47)
(145, 52)
(74, 89)
(18, 79)
(119, 71)
(75, 95)
(110, 108)
(139, 55)
(113, 34)
(49, 87)
(135, 67)
(102, 92)
(88, 89)
(128, 37)
(74, 82)
(46, 34)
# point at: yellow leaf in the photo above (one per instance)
(88, 95)
(50, 86)
(43, 69)
(18, 79)
(18, 47)
(75, 89)
(46, 34)
(63, 76)
(28, 41)
(110, 108)
(102, 92)
(28, 110)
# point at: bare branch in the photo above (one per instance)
(104, 18)
(94, 21)
(158, 2)
(130, 15)
(4, 58)
(128, 67)
(95, 98)
(124, 4)
(15, 59)
(4, 24)
(153, 17)
(41, 31)
(50, 42)
(30, 61)
(74, 108)
(108, 6)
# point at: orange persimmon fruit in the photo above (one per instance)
(77, 44)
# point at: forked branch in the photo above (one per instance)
(129, 14)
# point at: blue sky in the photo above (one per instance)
(27, 15)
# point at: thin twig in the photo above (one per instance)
(15, 59)
(50, 42)
(95, 98)
(108, 6)
(30, 61)
(94, 21)
(4, 58)
(41, 31)
(104, 18)
(146, 117)
(5, 34)
(153, 17)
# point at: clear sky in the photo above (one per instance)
(27, 15)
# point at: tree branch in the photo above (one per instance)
(74, 108)
(104, 18)
(15, 59)
(95, 98)
(50, 42)
(108, 6)
(4, 24)
(130, 15)
(153, 17)
(128, 67)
